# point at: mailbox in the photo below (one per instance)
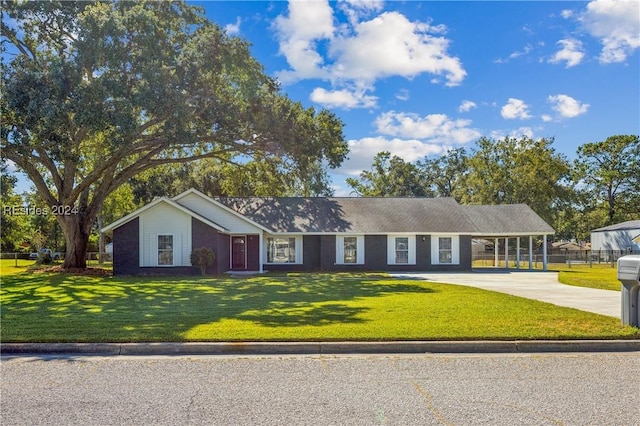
(629, 276)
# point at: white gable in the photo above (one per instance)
(217, 213)
(164, 219)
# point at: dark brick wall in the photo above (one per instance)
(126, 248)
(423, 252)
(223, 253)
(375, 252)
(202, 235)
(253, 252)
(327, 252)
(466, 255)
(312, 252)
(319, 253)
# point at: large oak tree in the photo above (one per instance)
(95, 93)
(513, 171)
(609, 174)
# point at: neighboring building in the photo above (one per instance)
(623, 236)
(308, 234)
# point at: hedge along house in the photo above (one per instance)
(312, 234)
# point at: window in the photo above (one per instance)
(402, 249)
(281, 250)
(445, 252)
(349, 250)
(165, 250)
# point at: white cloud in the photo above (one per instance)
(362, 51)
(436, 128)
(513, 133)
(391, 45)
(546, 118)
(307, 23)
(617, 24)
(342, 98)
(515, 108)
(525, 51)
(233, 29)
(566, 106)
(522, 132)
(571, 52)
(566, 14)
(362, 152)
(358, 9)
(467, 106)
(402, 95)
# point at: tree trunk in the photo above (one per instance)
(101, 246)
(76, 230)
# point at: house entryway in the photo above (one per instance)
(239, 252)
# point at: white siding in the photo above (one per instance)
(218, 215)
(615, 240)
(164, 219)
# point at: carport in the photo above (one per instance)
(510, 223)
(508, 239)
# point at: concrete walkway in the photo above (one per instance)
(543, 286)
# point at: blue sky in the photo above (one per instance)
(416, 78)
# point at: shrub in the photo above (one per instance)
(202, 257)
(44, 259)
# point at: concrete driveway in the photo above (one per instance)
(543, 286)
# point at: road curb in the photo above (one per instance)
(319, 348)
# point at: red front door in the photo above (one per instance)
(239, 252)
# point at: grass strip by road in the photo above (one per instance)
(59, 307)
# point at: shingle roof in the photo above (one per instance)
(628, 225)
(507, 219)
(366, 215)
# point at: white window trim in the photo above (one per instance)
(435, 249)
(340, 249)
(391, 249)
(299, 251)
(156, 253)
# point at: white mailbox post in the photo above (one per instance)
(629, 276)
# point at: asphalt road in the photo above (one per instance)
(481, 389)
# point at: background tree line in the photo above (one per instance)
(600, 187)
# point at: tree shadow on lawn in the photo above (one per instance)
(64, 308)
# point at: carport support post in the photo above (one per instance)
(506, 253)
(495, 253)
(530, 252)
(517, 252)
(544, 252)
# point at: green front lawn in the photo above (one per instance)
(47, 307)
(601, 275)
